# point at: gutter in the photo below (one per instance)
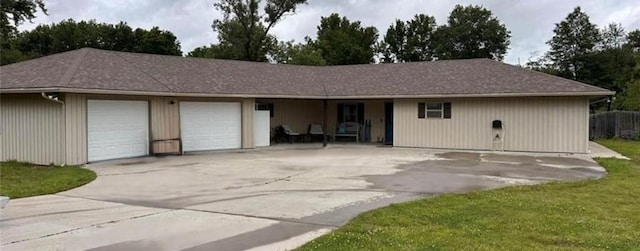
(606, 99)
(50, 98)
(291, 96)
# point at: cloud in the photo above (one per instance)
(531, 22)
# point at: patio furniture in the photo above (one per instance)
(316, 132)
(289, 133)
(348, 129)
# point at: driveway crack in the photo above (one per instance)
(286, 178)
(85, 227)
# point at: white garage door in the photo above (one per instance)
(210, 125)
(117, 129)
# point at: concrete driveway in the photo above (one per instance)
(272, 199)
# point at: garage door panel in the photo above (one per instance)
(210, 125)
(117, 129)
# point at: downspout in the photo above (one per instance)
(45, 96)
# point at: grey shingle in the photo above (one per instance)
(121, 71)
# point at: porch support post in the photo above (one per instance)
(324, 123)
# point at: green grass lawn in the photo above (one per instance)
(18, 179)
(587, 215)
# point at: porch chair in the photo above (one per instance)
(286, 129)
(316, 131)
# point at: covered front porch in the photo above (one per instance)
(362, 121)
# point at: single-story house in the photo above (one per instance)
(89, 105)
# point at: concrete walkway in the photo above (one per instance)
(599, 151)
(271, 199)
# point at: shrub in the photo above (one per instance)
(630, 135)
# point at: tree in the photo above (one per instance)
(613, 36)
(394, 44)
(630, 98)
(541, 64)
(14, 12)
(611, 64)
(609, 68)
(298, 54)
(156, 41)
(411, 40)
(211, 51)
(385, 56)
(244, 32)
(633, 39)
(342, 42)
(472, 32)
(71, 35)
(608, 58)
(573, 38)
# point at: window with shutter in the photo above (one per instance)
(435, 110)
(351, 112)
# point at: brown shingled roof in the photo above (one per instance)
(90, 70)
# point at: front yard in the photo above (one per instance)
(19, 179)
(586, 215)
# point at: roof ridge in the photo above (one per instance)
(66, 77)
(141, 70)
(290, 65)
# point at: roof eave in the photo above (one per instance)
(480, 95)
(292, 96)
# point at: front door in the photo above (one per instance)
(388, 123)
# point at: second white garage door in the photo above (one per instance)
(210, 125)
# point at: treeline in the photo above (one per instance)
(470, 32)
(70, 35)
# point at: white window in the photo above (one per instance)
(434, 110)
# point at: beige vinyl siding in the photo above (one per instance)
(75, 128)
(32, 129)
(166, 146)
(374, 111)
(248, 107)
(165, 125)
(165, 118)
(544, 124)
(298, 114)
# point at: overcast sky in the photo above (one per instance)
(530, 22)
